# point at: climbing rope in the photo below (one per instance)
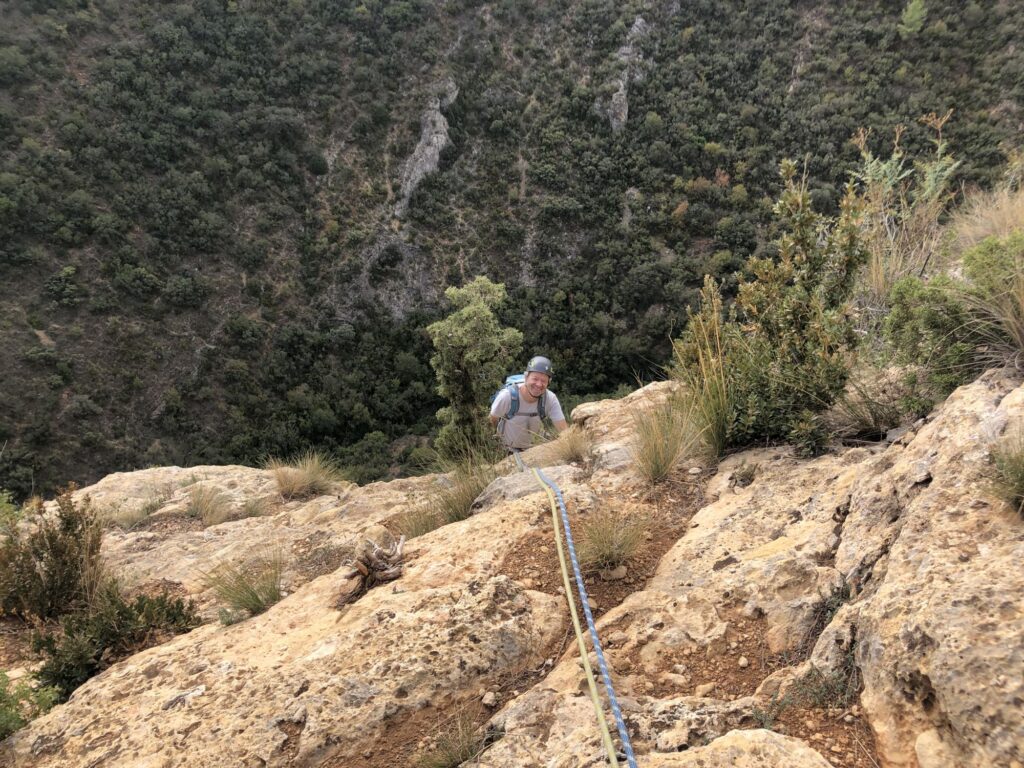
(555, 497)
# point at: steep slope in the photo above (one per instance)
(224, 225)
(886, 566)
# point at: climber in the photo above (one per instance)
(519, 408)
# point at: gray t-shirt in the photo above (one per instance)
(518, 431)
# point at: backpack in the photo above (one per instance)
(512, 383)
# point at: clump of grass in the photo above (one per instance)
(701, 369)
(827, 690)
(998, 214)
(208, 504)
(459, 740)
(248, 588)
(1008, 458)
(664, 436)
(417, 522)
(312, 473)
(572, 446)
(608, 538)
(466, 481)
(868, 408)
(257, 506)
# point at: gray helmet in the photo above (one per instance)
(540, 364)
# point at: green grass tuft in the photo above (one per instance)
(608, 539)
(664, 436)
(1008, 458)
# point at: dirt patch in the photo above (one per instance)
(168, 524)
(312, 558)
(410, 735)
(15, 643)
(843, 737)
(666, 512)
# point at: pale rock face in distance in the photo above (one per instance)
(934, 621)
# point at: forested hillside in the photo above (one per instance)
(214, 246)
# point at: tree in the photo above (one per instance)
(912, 19)
(473, 353)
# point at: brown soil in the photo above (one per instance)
(167, 524)
(844, 744)
(533, 561)
(15, 643)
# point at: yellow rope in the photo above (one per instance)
(606, 737)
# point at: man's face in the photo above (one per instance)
(537, 382)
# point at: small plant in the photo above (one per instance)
(609, 539)
(21, 703)
(664, 436)
(417, 522)
(869, 407)
(110, 628)
(208, 504)
(249, 588)
(459, 740)
(50, 568)
(465, 482)
(832, 690)
(1008, 458)
(765, 718)
(257, 506)
(310, 474)
(744, 474)
(10, 513)
(572, 446)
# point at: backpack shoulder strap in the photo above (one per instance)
(541, 406)
(513, 408)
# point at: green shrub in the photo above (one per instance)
(50, 567)
(781, 356)
(249, 588)
(111, 628)
(21, 703)
(1008, 459)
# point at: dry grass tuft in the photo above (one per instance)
(208, 504)
(998, 214)
(257, 506)
(458, 741)
(608, 539)
(417, 522)
(664, 436)
(571, 447)
(310, 474)
(248, 588)
(1008, 458)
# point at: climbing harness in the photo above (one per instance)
(558, 503)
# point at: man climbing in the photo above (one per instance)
(519, 409)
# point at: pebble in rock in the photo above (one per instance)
(489, 699)
(743, 662)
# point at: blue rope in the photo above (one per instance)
(616, 711)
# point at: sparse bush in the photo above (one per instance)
(310, 474)
(111, 628)
(249, 588)
(608, 539)
(828, 690)
(52, 566)
(21, 703)
(664, 436)
(1008, 459)
(208, 504)
(782, 352)
(458, 740)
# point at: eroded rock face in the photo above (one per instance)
(924, 561)
(305, 682)
(433, 139)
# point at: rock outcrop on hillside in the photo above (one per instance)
(889, 564)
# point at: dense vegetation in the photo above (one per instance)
(200, 259)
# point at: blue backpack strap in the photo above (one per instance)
(513, 408)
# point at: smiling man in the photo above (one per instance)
(519, 409)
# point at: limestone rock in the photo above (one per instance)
(433, 139)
